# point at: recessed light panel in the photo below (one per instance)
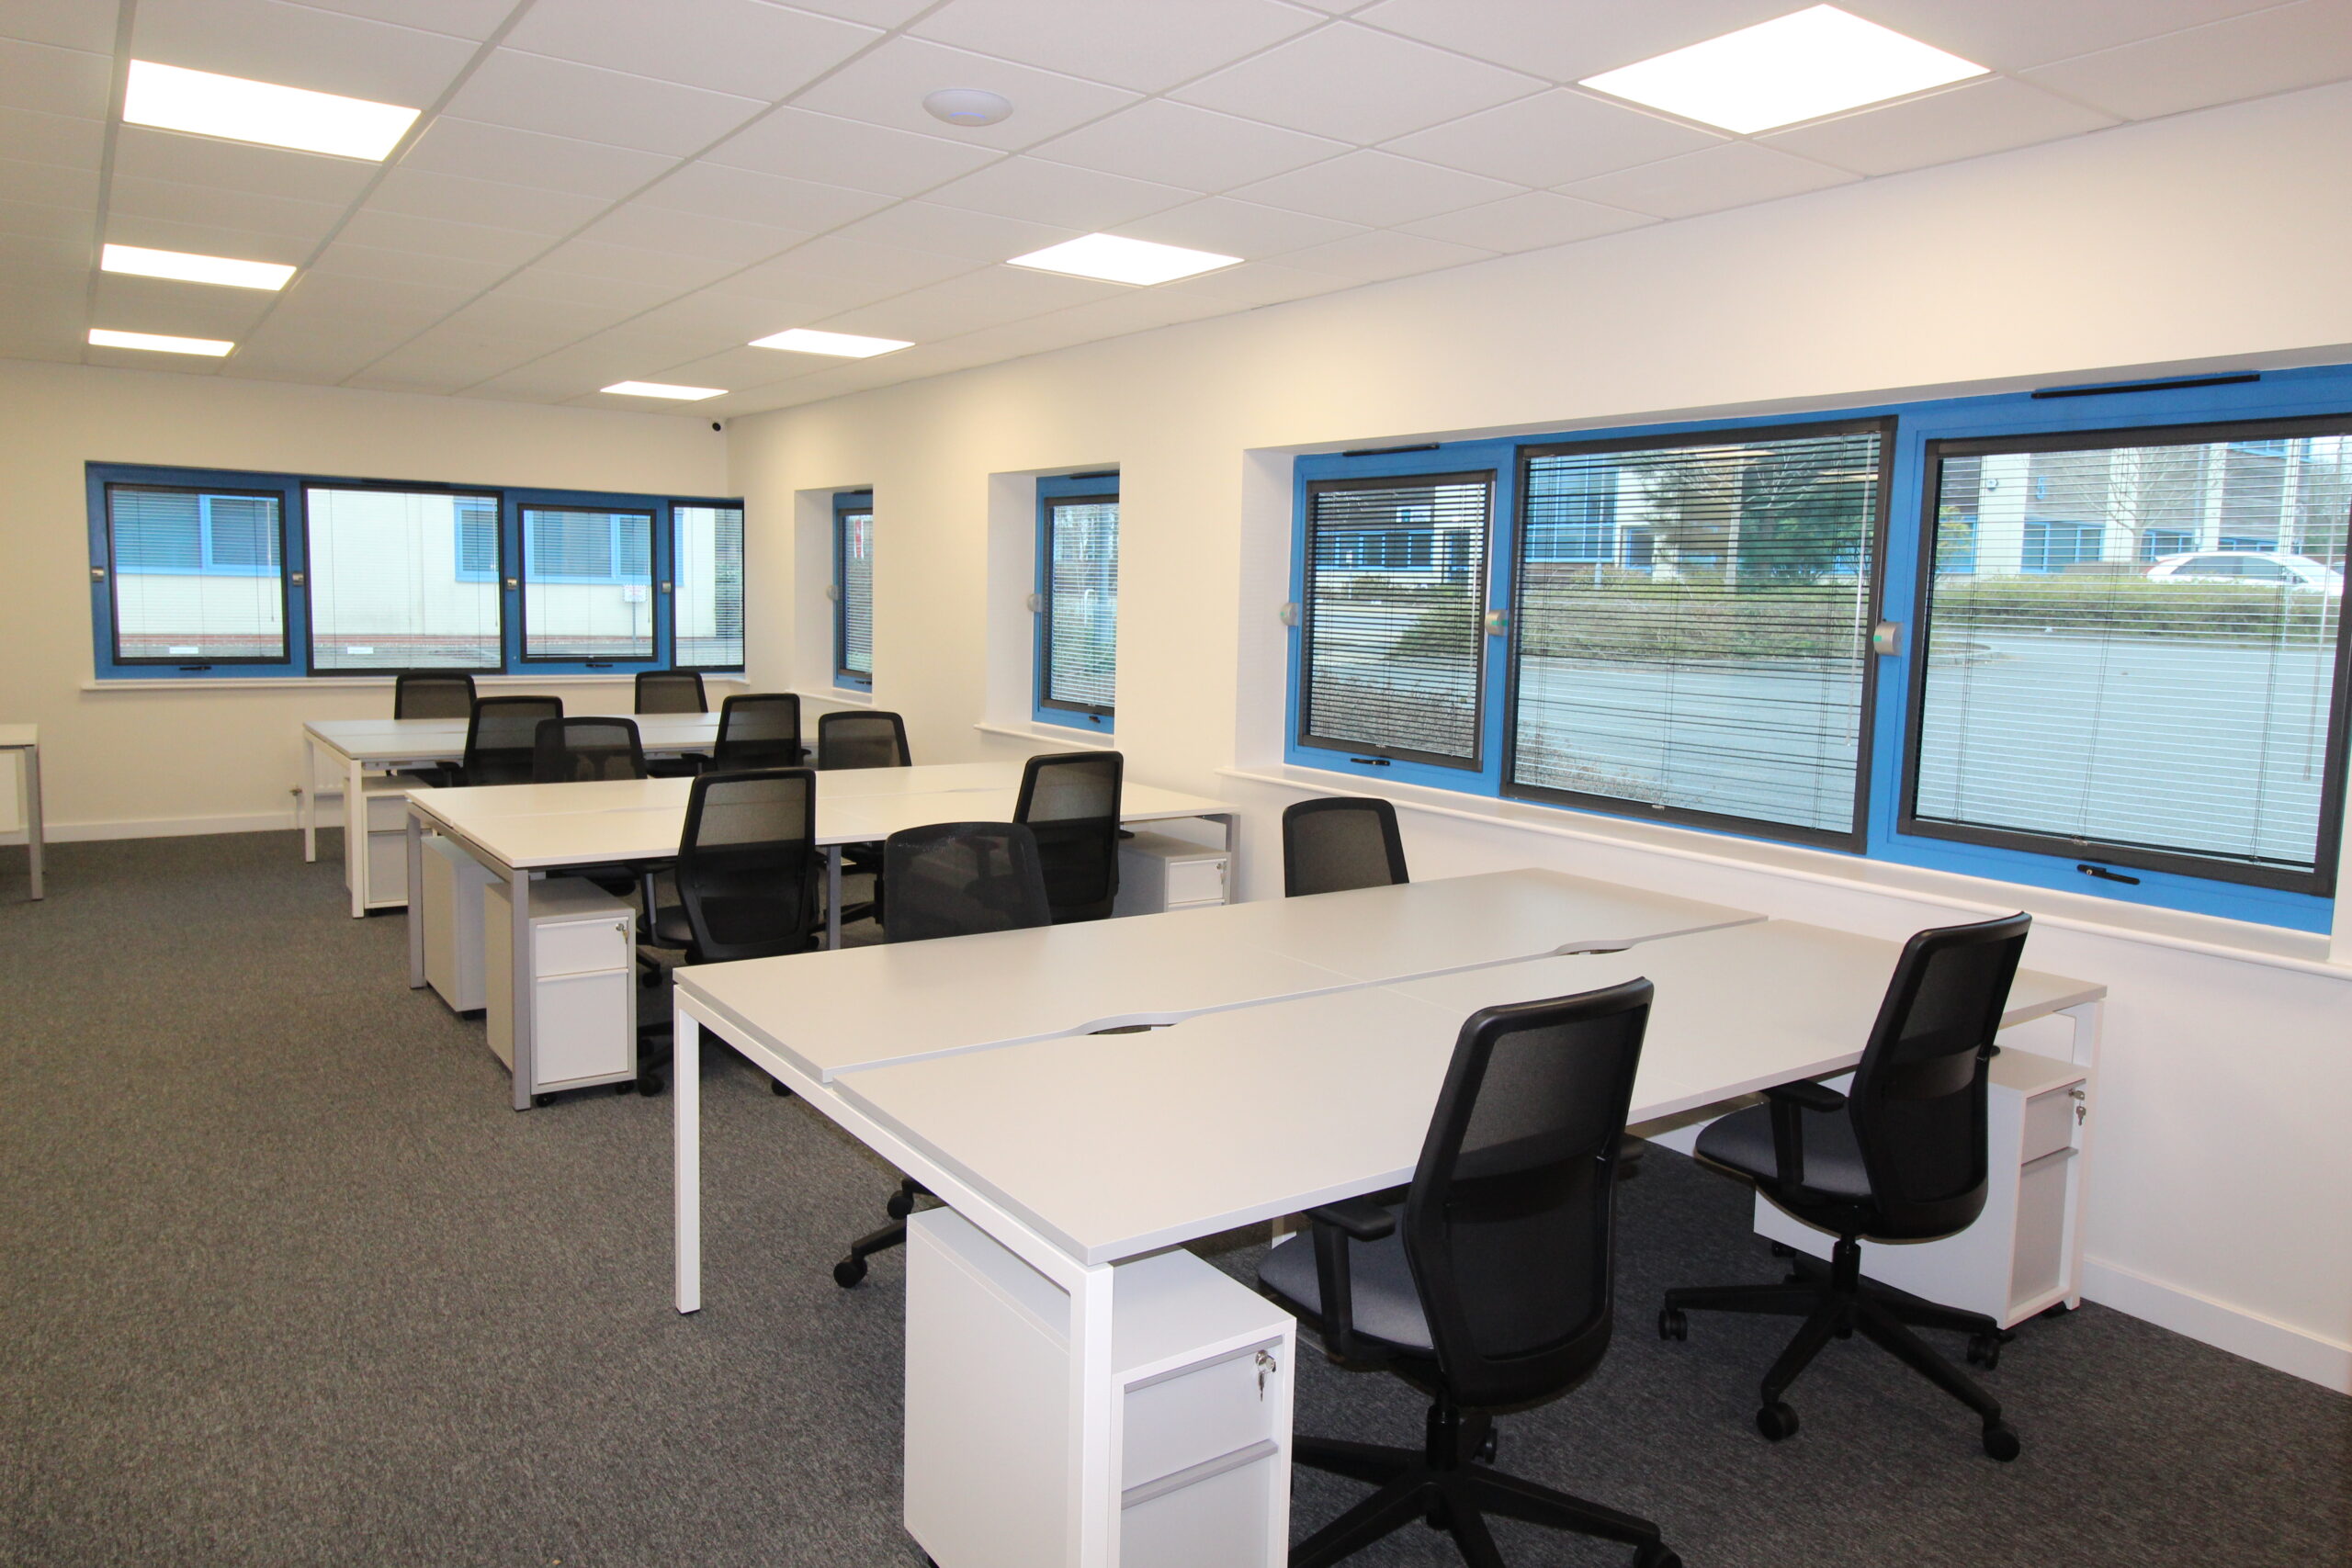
(1802, 66)
(171, 99)
(1112, 259)
(843, 345)
(102, 337)
(143, 262)
(662, 390)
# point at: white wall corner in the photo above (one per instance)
(1010, 625)
(1261, 702)
(2298, 1351)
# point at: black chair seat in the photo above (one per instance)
(1833, 1160)
(1380, 1287)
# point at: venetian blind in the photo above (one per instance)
(854, 615)
(398, 580)
(1082, 614)
(195, 576)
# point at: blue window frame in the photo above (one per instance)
(1078, 601)
(1956, 521)
(854, 590)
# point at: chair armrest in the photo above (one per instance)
(1362, 1219)
(1790, 1102)
(1805, 1092)
(1335, 1223)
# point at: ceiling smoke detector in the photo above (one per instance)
(967, 106)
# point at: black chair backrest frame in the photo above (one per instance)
(1509, 1222)
(962, 878)
(867, 738)
(758, 729)
(746, 872)
(501, 738)
(433, 694)
(585, 750)
(1340, 842)
(671, 690)
(1070, 801)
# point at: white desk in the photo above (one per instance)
(24, 740)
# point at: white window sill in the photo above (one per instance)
(349, 682)
(1053, 734)
(2304, 951)
(843, 697)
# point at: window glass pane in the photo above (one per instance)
(710, 597)
(587, 584)
(197, 575)
(395, 581)
(1082, 617)
(854, 609)
(2103, 708)
(1716, 667)
(1396, 590)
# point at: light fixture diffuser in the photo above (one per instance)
(1111, 258)
(1800, 66)
(105, 337)
(841, 345)
(139, 261)
(171, 98)
(663, 389)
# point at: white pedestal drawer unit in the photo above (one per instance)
(583, 965)
(383, 870)
(453, 884)
(1198, 1386)
(1159, 872)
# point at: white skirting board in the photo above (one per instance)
(170, 826)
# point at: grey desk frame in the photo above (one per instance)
(24, 740)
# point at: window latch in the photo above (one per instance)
(1288, 615)
(1886, 638)
(296, 579)
(511, 584)
(97, 574)
(1497, 622)
(833, 591)
(1036, 602)
(665, 588)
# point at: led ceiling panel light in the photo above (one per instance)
(663, 389)
(1111, 259)
(841, 345)
(140, 261)
(171, 99)
(103, 337)
(1802, 66)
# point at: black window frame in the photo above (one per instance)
(289, 575)
(1049, 508)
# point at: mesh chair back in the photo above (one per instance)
(1917, 1099)
(961, 878)
(433, 695)
(502, 736)
(758, 730)
(582, 751)
(669, 691)
(746, 871)
(1329, 846)
(1509, 1222)
(1070, 801)
(867, 739)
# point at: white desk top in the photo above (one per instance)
(480, 804)
(837, 1012)
(16, 735)
(1117, 1146)
(422, 740)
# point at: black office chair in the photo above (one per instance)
(745, 881)
(864, 738)
(582, 750)
(1899, 1156)
(502, 738)
(1344, 842)
(758, 729)
(432, 693)
(1492, 1288)
(669, 691)
(1071, 800)
(950, 879)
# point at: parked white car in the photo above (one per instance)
(2268, 569)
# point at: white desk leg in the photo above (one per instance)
(415, 899)
(523, 987)
(685, 1153)
(31, 766)
(833, 895)
(310, 799)
(2087, 1020)
(355, 838)
(1094, 1494)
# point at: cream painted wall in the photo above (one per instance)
(122, 762)
(2216, 1205)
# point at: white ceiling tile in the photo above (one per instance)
(735, 319)
(1179, 145)
(1567, 40)
(502, 315)
(745, 47)
(697, 235)
(322, 299)
(953, 231)
(966, 304)
(531, 92)
(1376, 188)
(1258, 283)
(1528, 222)
(629, 265)
(64, 139)
(715, 190)
(69, 24)
(1142, 309)
(460, 18)
(834, 151)
(1551, 139)
(143, 153)
(1366, 258)
(144, 359)
(366, 264)
(873, 13)
(735, 369)
(2269, 51)
(607, 298)
(179, 203)
(50, 185)
(1235, 228)
(419, 383)
(425, 193)
(1355, 85)
(207, 239)
(306, 362)
(2010, 35)
(888, 86)
(532, 384)
(450, 145)
(55, 81)
(49, 266)
(1144, 44)
(1060, 193)
(299, 46)
(1989, 116)
(1730, 176)
(66, 226)
(435, 237)
(823, 264)
(181, 310)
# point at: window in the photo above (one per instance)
(477, 544)
(2158, 543)
(391, 585)
(1077, 623)
(2054, 547)
(196, 574)
(587, 585)
(854, 590)
(709, 599)
(2190, 723)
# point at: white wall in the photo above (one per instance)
(2218, 1203)
(205, 760)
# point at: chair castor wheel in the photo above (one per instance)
(778, 1088)
(1672, 1324)
(1777, 1421)
(1782, 1249)
(1985, 1350)
(900, 1205)
(648, 1083)
(1488, 1445)
(543, 1100)
(2056, 1309)
(1658, 1554)
(627, 1086)
(2000, 1441)
(848, 1273)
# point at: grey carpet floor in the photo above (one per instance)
(282, 1282)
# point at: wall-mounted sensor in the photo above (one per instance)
(967, 106)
